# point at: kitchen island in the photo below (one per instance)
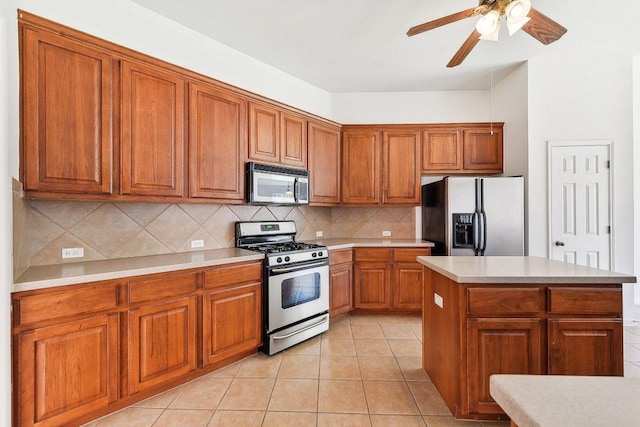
(516, 315)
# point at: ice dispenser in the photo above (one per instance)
(462, 230)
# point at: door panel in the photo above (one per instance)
(580, 205)
(504, 208)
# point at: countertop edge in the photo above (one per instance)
(76, 273)
(601, 278)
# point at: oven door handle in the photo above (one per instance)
(299, 331)
(298, 267)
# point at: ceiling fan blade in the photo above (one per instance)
(465, 49)
(543, 28)
(441, 21)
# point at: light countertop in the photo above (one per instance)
(47, 276)
(568, 401)
(333, 244)
(517, 269)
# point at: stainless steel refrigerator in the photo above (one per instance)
(474, 216)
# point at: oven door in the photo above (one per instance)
(296, 292)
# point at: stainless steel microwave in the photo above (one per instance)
(267, 184)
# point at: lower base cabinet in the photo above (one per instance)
(82, 351)
(66, 370)
(388, 280)
(340, 282)
(475, 330)
(231, 322)
(162, 343)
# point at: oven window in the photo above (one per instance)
(301, 289)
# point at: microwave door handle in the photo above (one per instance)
(296, 190)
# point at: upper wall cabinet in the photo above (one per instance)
(277, 136)
(324, 164)
(67, 103)
(462, 148)
(217, 136)
(400, 167)
(361, 166)
(152, 131)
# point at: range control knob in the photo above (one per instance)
(313, 254)
(279, 259)
(320, 253)
(287, 259)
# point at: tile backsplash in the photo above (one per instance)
(108, 230)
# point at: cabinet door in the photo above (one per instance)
(67, 109)
(67, 370)
(217, 140)
(401, 170)
(499, 346)
(483, 150)
(232, 322)
(361, 167)
(340, 289)
(162, 343)
(324, 164)
(585, 347)
(293, 140)
(441, 151)
(407, 286)
(371, 282)
(152, 131)
(264, 133)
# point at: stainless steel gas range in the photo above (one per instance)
(295, 286)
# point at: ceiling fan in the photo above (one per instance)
(518, 14)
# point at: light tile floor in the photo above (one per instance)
(365, 371)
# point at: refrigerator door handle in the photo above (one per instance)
(476, 221)
(483, 215)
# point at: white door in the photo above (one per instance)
(580, 204)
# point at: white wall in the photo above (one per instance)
(636, 178)
(585, 97)
(411, 107)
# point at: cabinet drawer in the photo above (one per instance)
(161, 287)
(489, 301)
(67, 302)
(366, 254)
(340, 256)
(409, 255)
(585, 301)
(233, 275)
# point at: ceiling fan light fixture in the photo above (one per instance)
(517, 10)
(515, 26)
(489, 23)
(493, 36)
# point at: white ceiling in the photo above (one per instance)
(361, 45)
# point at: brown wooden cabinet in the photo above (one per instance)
(500, 346)
(232, 312)
(462, 148)
(66, 370)
(293, 140)
(441, 150)
(217, 137)
(67, 110)
(162, 343)
(324, 164)
(361, 152)
(482, 149)
(400, 167)
(483, 329)
(81, 351)
(152, 140)
(388, 280)
(340, 282)
(277, 136)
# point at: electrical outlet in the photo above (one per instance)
(319, 233)
(197, 243)
(72, 253)
(438, 300)
(386, 233)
